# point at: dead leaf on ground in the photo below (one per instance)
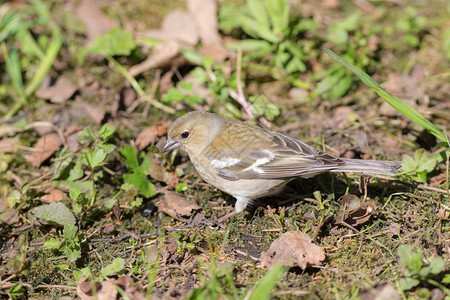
(44, 148)
(9, 145)
(61, 91)
(354, 212)
(96, 113)
(160, 56)
(108, 289)
(71, 134)
(177, 26)
(381, 292)
(150, 135)
(53, 195)
(177, 207)
(94, 19)
(293, 248)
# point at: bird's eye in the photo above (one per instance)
(185, 134)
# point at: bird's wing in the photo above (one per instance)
(283, 157)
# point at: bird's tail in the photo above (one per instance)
(369, 167)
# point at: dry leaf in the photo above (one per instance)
(8, 144)
(71, 134)
(94, 19)
(61, 91)
(204, 13)
(95, 112)
(159, 57)
(381, 292)
(293, 248)
(44, 148)
(150, 135)
(177, 26)
(53, 195)
(177, 207)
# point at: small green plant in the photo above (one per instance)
(352, 38)
(37, 52)
(411, 24)
(273, 33)
(182, 93)
(416, 272)
(71, 168)
(138, 167)
(70, 244)
(419, 166)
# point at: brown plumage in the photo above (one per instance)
(249, 162)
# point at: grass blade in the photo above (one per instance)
(264, 286)
(398, 104)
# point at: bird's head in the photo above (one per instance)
(193, 131)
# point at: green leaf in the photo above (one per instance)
(116, 266)
(399, 105)
(140, 180)
(107, 131)
(408, 283)
(94, 160)
(436, 265)
(55, 212)
(116, 42)
(52, 244)
(131, 159)
(410, 258)
(70, 232)
(264, 286)
(173, 95)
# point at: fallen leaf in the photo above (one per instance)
(8, 145)
(177, 26)
(330, 3)
(94, 19)
(95, 112)
(354, 212)
(53, 195)
(381, 292)
(71, 134)
(44, 148)
(177, 207)
(204, 13)
(293, 248)
(160, 56)
(150, 135)
(61, 91)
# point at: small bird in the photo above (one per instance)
(249, 162)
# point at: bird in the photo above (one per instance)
(249, 162)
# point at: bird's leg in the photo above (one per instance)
(241, 204)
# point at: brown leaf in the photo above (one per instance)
(71, 134)
(204, 13)
(177, 207)
(160, 56)
(61, 91)
(106, 290)
(44, 148)
(383, 291)
(8, 144)
(150, 135)
(293, 248)
(177, 26)
(52, 195)
(94, 19)
(95, 112)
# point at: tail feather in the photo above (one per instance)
(369, 167)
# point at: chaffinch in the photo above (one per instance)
(249, 162)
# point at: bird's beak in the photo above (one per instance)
(170, 145)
